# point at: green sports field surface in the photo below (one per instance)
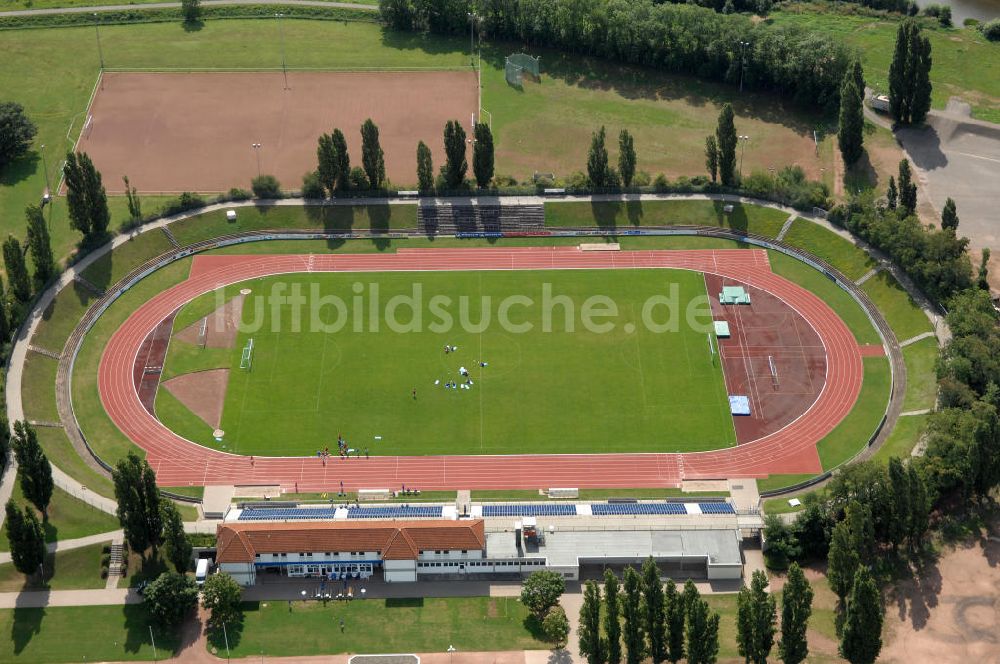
(556, 391)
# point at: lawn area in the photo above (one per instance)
(376, 626)
(73, 569)
(101, 433)
(114, 265)
(83, 633)
(59, 450)
(852, 261)
(903, 437)
(952, 49)
(69, 518)
(921, 376)
(308, 385)
(544, 127)
(61, 316)
(38, 387)
(851, 435)
(839, 300)
(903, 315)
(334, 218)
(748, 218)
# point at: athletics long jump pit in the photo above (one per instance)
(174, 132)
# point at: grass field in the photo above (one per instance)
(60, 452)
(306, 387)
(38, 387)
(921, 375)
(747, 218)
(545, 127)
(73, 569)
(69, 518)
(903, 438)
(952, 50)
(84, 633)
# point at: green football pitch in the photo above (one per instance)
(550, 389)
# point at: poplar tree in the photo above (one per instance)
(725, 137)
(632, 635)
(654, 617)
(17, 269)
(372, 156)
(851, 130)
(796, 608)
(755, 618)
(455, 165)
(39, 245)
(589, 629)
(861, 642)
(626, 157)
(597, 159)
(612, 618)
(425, 168)
(482, 155)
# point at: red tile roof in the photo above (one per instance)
(396, 540)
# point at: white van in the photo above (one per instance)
(201, 571)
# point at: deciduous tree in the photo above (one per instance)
(712, 157)
(138, 502)
(949, 216)
(26, 539)
(16, 132)
(85, 197)
(755, 618)
(909, 75)
(612, 618)
(632, 634)
(425, 168)
(589, 628)
(796, 608)
(726, 138)
(891, 195)
(626, 157)
(541, 591)
(907, 189)
(223, 597)
(455, 165)
(555, 625)
(674, 615)
(482, 155)
(372, 156)
(842, 562)
(597, 159)
(178, 546)
(851, 128)
(702, 633)
(861, 642)
(654, 618)
(17, 269)
(34, 469)
(39, 245)
(170, 597)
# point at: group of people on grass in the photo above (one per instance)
(343, 450)
(465, 384)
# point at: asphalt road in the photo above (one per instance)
(959, 157)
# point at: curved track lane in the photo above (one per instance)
(179, 462)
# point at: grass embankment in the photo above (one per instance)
(611, 214)
(69, 518)
(841, 253)
(335, 218)
(904, 316)
(921, 375)
(109, 443)
(38, 387)
(73, 569)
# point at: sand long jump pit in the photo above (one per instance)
(174, 132)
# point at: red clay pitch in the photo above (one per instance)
(172, 132)
(792, 449)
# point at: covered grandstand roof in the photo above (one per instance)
(240, 542)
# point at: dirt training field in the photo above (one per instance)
(173, 132)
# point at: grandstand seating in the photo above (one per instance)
(396, 512)
(716, 508)
(529, 509)
(286, 513)
(636, 509)
(474, 219)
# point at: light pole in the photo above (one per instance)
(281, 39)
(153, 641)
(472, 47)
(45, 169)
(744, 140)
(451, 654)
(97, 31)
(743, 61)
(226, 635)
(256, 151)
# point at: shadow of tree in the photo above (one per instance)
(27, 623)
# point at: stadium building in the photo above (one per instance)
(410, 544)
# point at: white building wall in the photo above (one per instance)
(243, 573)
(454, 554)
(733, 571)
(317, 556)
(399, 571)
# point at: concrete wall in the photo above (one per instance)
(733, 571)
(243, 573)
(399, 571)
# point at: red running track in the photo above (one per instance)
(179, 462)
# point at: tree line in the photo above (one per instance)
(334, 173)
(805, 66)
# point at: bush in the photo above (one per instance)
(237, 194)
(941, 12)
(358, 178)
(661, 183)
(500, 181)
(789, 186)
(312, 187)
(991, 29)
(183, 203)
(266, 187)
(641, 179)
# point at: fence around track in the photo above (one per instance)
(890, 343)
